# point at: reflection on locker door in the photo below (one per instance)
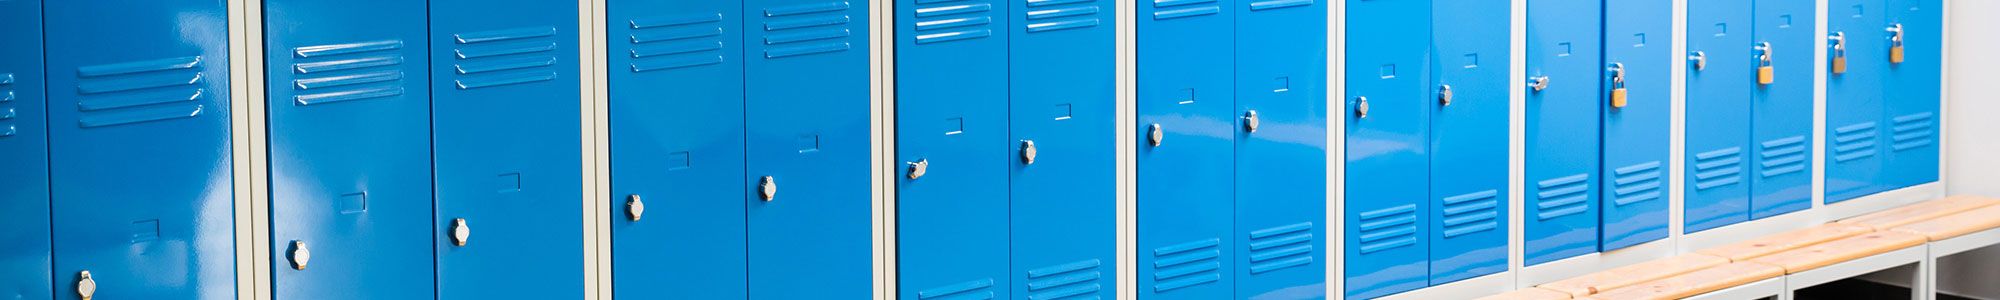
(1564, 100)
(1721, 72)
(1635, 191)
(350, 148)
(1857, 58)
(24, 141)
(1281, 150)
(1185, 188)
(808, 149)
(1468, 139)
(140, 168)
(951, 140)
(676, 88)
(1386, 247)
(1781, 132)
(1061, 116)
(1911, 92)
(506, 121)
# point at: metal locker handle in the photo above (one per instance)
(1250, 121)
(634, 208)
(85, 286)
(769, 188)
(300, 255)
(1028, 152)
(1361, 107)
(1154, 134)
(459, 232)
(1538, 82)
(918, 168)
(1444, 95)
(1699, 58)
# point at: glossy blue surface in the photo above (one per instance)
(1635, 167)
(506, 123)
(1062, 95)
(1280, 209)
(1781, 131)
(1561, 215)
(1387, 183)
(1468, 139)
(1186, 191)
(1718, 116)
(24, 142)
(1854, 104)
(350, 148)
(1910, 94)
(677, 138)
(951, 112)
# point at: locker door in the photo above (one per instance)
(1468, 139)
(351, 147)
(1781, 131)
(506, 121)
(1721, 74)
(24, 142)
(1061, 113)
(1637, 36)
(1854, 98)
(676, 149)
(1562, 130)
(1186, 186)
(1281, 149)
(1387, 180)
(1911, 93)
(951, 134)
(808, 149)
(140, 168)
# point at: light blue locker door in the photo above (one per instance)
(1185, 171)
(506, 120)
(806, 70)
(1565, 98)
(1721, 73)
(676, 80)
(1781, 130)
(139, 148)
(1636, 36)
(24, 142)
(350, 143)
(1911, 92)
(951, 136)
(1281, 149)
(1062, 108)
(1468, 139)
(1387, 181)
(1854, 109)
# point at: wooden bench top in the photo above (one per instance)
(1841, 250)
(1634, 274)
(1696, 283)
(1956, 225)
(1529, 294)
(1891, 218)
(1761, 246)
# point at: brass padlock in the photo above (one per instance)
(1839, 54)
(1896, 44)
(1618, 93)
(1765, 72)
(1896, 54)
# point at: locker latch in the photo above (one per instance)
(85, 286)
(1444, 95)
(1361, 107)
(769, 188)
(1250, 121)
(1028, 152)
(1766, 74)
(1839, 65)
(634, 208)
(1700, 59)
(1153, 134)
(917, 169)
(1538, 82)
(1896, 44)
(459, 232)
(1618, 85)
(300, 255)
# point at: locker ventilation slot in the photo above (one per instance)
(941, 21)
(1065, 280)
(976, 289)
(7, 106)
(807, 29)
(1853, 142)
(1388, 228)
(1782, 156)
(666, 43)
(1471, 213)
(1175, 9)
(1054, 15)
(1638, 183)
(1718, 168)
(1281, 247)
(1277, 4)
(1562, 196)
(1914, 131)
(504, 57)
(1186, 264)
(140, 91)
(348, 72)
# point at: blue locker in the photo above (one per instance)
(350, 143)
(1565, 97)
(1854, 109)
(807, 144)
(1062, 107)
(140, 169)
(1281, 149)
(1721, 73)
(1636, 36)
(951, 135)
(1468, 139)
(506, 122)
(1185, 185)
(1781, 132)
(1387, 181)
(1910, 92)
(24, 141)
(676, 105)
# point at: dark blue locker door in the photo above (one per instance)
(1281, 149)
(951, 136)
(676, 81)
(1387, 176)
(808, 149)
(1468, 139)
(1781, 130)
(1911, 92)
(139, 152)
(1854, 98)
(24, 142)
(1562, 130)
(506, 121)
(1721, 74)
(1062, 105)
(350, 138)
(1637, 36)
(1185, 176)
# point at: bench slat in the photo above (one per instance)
(1529, 294)
(1891, 218)
(1634, 274)
(1759, 247)
(1697, 282)
(1956, 225)
(1841, 250)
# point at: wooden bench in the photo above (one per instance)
(1955, 225)
(1759, 247)
(1841, 250)
(1634, 274)
(1695, 283)
(1529, 294)
(1895, 217)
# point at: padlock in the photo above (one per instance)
(1896, 54)
(1765, 73)
(1896, 44)
(1618, 93)
(1839, 65)
(1618, 96)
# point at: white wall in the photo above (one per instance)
(1972, 137)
